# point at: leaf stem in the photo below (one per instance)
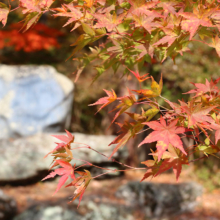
(113, 160)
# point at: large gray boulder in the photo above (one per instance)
(48, 213)
(159, 200)
(23, 158)
(91, 211)
(33, 99)
(106, 211)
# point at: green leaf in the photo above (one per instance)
(151, 113)
(80, 43)
(125, 26)
(100, 31)
(208, 149)
(88, 30)
(31, 19)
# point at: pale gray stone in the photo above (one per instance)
(48, 213)
(158, 200)
(107, 211)
(23, 158)
(33, 99)
(92, 211)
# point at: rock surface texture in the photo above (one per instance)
(157, 200)
(8, 207)
(48, 213)
(33, 99)
(23, 158)
(92, 211)
(136, 201)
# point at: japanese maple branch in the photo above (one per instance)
(113, 160)
(191, 161)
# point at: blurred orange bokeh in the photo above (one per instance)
(40, 37)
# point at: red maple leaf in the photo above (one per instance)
(153, 166)
(170, 7)
(173, 158)
(62, 150)
(125, 103)
(80, 183)
(142, 7)
(35, 6)
(67, 139)
(195, 19)
(152, 171)
(176, 107)
(197, 115)
(216, 126)
(123, 137)
(145, 49)
(205, 88)
(146, 22)
(69, 11)
(140, 78)
(108, 21)
(4, 10)
(172, 33)
(217, 135)
(217, 132)
(154, 91)
(65, 172)
(106, 100)
(101, 2)
(164, 135)
(166, 39)
(57, 148)
(216, 43)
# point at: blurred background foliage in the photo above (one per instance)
(195, 66)
(48, 43)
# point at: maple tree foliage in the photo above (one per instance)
(137, 32)
(164, 135)
(39, 38)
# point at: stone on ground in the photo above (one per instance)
(33, 99)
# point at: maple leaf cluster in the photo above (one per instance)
(144, 29)
(186, 119)
(62, 157)
(198, 119)
(138, 32)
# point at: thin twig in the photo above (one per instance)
(113, 160)
(191, 161)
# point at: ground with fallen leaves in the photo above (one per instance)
(41, 193)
